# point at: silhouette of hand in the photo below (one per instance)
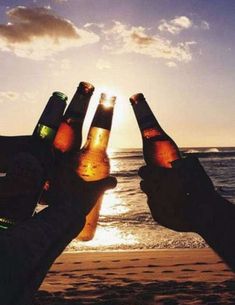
(66, 185)
(20, 189)
(179, 197)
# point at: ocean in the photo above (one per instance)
(125, 221)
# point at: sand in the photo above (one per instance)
(177, 276)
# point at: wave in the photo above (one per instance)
(209, 153)
(128, 156)
(209, 150)
(197, 151)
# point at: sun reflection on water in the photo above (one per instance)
(112, 204)
(105, 237)
(108, 234)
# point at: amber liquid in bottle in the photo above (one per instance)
(158, 148)
(93, 162)
(68, 138)
(69, 135)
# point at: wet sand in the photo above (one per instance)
(170, 277)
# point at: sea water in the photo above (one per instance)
(125, 221)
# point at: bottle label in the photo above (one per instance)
(45, 132)
(150, 133)
(5, 223)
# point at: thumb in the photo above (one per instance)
(105, 184)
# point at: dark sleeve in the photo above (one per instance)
(29, 249)
(218, 227)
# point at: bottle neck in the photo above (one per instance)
(51, 117)
(99, 132)
(77, 108)
(146, 120)
(103, 117)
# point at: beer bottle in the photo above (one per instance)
(42, 139)
(47, 126)
(69, 135)
(93, 162)
(158, 148)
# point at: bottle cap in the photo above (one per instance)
(86, 88)
(134, 99)
(61, 95)
(107, 100)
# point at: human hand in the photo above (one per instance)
(26, 162)
(67, 186)
(181, 197)
(10, 147)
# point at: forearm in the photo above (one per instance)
(31, 248)
(218, 230)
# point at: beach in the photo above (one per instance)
(169, 276)
(132, 259)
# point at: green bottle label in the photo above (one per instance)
(45, 132)
(5, 223)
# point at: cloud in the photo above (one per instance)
(95, 25)
(13, 96)
(103, 64)
(8, 96)
(176, 25)
(171, 64)
(38, 32)
(205, 25)
(122, 38)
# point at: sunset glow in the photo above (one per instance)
(180, 56)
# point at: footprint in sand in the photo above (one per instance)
(188, 270)
(148, 271)
(115, 261)
(201, 263)
(167, 271)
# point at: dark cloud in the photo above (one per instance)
(141, 40)
(39, 32)
(27, 23)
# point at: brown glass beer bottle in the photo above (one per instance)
(68, 138)
(69, 135)
(158, 148)
(93, 162)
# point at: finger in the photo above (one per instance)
(153, 172)
(25, 167)
(105, 184)
(10, 146)
(148, 187)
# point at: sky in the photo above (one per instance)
(178, 53)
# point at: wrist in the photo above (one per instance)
(210, 211)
